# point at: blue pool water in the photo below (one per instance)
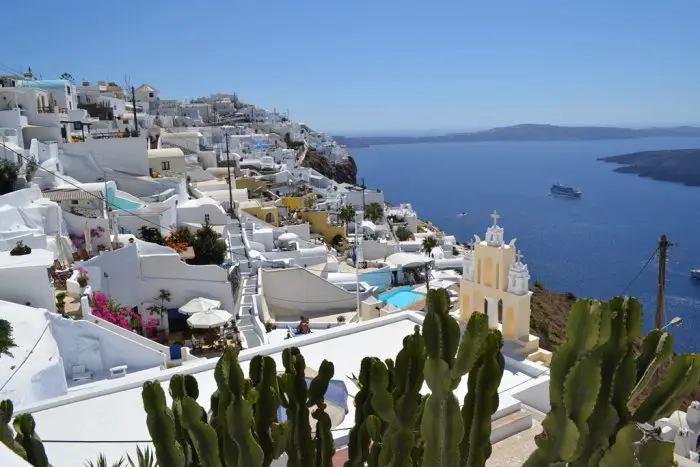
(123, 204)
(401, 297)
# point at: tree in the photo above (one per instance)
(208, 247)
(403, 234)
(30, 169)
(428, 244)
(374, 211)
(6, 340)
(151, 235)
(347, 215)
(163, 296)
(9, 171)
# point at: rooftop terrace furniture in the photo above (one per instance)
(81, 374)
(118, 371)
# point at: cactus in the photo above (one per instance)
(442, 427)
(359, 438)
(271, 435)
(598, 387)
(31, 443)
(6, 435)
(161, 426)
(400, 408)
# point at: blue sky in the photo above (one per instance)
(385, 65)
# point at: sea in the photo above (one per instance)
(598, 246)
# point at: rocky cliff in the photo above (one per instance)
(343, 172)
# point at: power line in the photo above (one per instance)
(640, 271)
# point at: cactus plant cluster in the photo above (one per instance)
(25, 443)
(396, 425)
(243, 429)
(603, 397)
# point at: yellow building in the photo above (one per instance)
(319, 224)
(266, 213)
(296, 203)
(250, 183)
(494, 272)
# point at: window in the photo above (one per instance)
(68, 90)
(206, 218)
(165, 165)
(150, 94)
(74, 201)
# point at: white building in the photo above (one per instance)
(146, 93)
(57, 357)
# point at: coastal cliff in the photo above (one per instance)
(526, 132)
(342, 172)
(673, 165)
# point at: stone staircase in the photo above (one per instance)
(509, 419)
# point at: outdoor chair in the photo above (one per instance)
(80, 373)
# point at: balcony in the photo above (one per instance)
(51, 109)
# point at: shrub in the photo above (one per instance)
(341, 319)
(403, 234)
(20, 249)
(270, 326)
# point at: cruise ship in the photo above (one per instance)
(563, 190)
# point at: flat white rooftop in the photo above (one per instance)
(115, 415)
(37, 257)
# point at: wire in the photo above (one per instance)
(640, 271)
(19, 367)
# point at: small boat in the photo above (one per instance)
(563, 190)
(695, 273)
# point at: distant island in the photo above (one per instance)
(673, 165)
(526, 132)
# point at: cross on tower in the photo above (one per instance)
(519, 256)
(495, 216)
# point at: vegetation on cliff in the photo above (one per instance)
(342, 172)
(550, 311)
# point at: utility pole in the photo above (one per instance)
(228, 167)
(363, 195)
(661, 286)
(133, 103)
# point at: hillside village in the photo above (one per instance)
(142, 238)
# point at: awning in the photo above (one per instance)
(64, 195)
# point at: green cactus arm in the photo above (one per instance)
(556, 443)
(30, 441)
(440, 330)
(681, 378)
(481, 402)
(382, 402)
(6, 435)
(279, 433)
(239, 420)
(441, 426)
(266, 403)
(624, 450)
(581, 387)
(319, 384)
(161, 426)
(657, 350)
(470, 347)
(657, 453)
(323, 439)
(203, 437)
(359, 439)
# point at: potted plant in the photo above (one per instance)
(340, 319)
(82, 278)
(101, 248)
(20, 249)
(61, 297)
(84, 255)
(61, 308)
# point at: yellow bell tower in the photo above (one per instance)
(493, 272)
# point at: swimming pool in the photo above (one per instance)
(123, 204)
(401, 297)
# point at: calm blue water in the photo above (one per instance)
(592, 247)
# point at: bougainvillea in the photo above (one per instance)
(110, 311)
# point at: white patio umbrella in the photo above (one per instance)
(199, 304)
(64, 253)
(209, 319)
